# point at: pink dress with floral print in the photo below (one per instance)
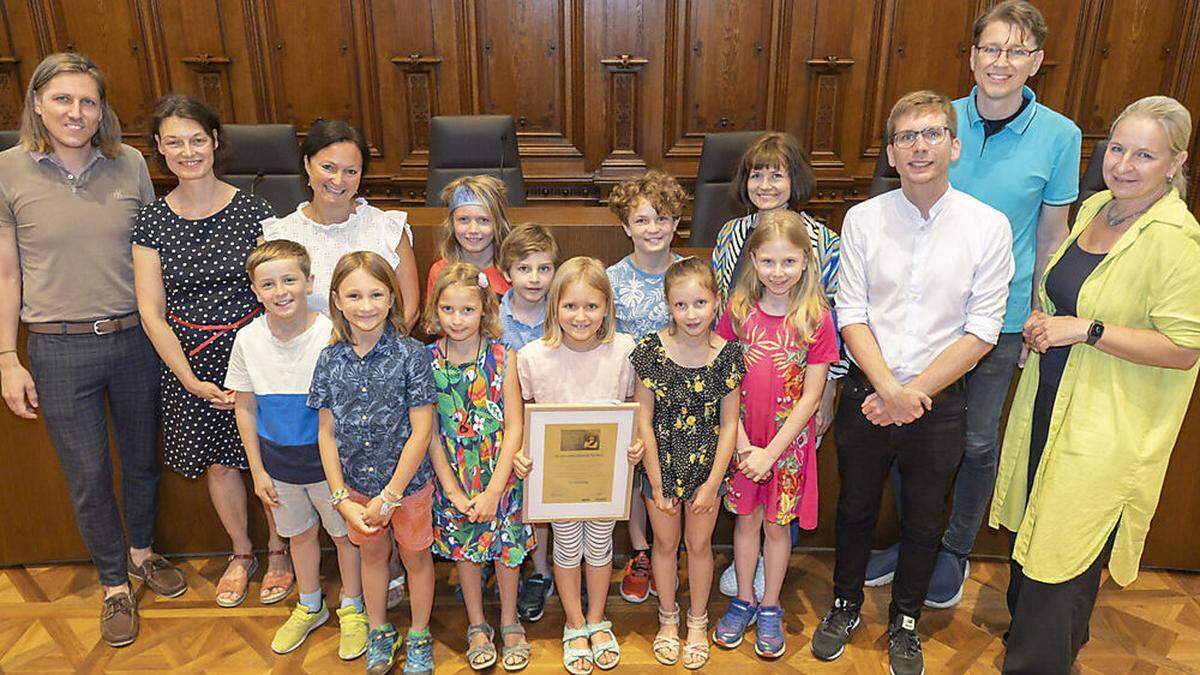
(776, 359)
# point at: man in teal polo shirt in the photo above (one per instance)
(1022, 158)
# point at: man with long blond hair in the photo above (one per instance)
(68, 196)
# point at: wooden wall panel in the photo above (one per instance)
(112, 32)
(1120, 69)
(718, 70)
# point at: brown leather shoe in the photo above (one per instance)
(119, 620)
(162, 577)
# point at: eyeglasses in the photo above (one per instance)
(1015, 54)
(932, 135)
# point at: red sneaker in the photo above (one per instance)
(637, 582)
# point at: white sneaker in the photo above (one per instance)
(728, 585)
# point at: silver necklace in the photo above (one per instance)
(1113, 221)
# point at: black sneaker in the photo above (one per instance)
(832, 634)
(532, 603)
(904, 647)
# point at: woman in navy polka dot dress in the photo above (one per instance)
(189, 255)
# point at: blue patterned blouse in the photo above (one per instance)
(370, 397)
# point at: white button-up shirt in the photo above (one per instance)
(920, 284)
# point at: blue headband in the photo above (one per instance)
(464, 196)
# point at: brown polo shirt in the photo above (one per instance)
(73, 232)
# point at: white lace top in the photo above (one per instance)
(367, 229)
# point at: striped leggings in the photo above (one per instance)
(576, 540)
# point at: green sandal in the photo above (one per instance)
(608, 646)
(516, 657)
(573, 654)
(481, 656)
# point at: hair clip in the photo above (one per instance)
(483, 280)
(686, 258)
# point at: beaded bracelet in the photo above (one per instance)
(339, 497)
(389, 496)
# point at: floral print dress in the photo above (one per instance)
(470, 411)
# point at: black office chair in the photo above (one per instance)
(265, 160)
(468, 145)
(1093, 177)
(715, 202)
(9, 138)
(885, 178)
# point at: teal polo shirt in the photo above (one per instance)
(1033, 160)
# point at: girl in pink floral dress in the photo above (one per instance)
(777, 313)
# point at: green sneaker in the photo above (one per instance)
(353, 643)
(297, 627)
(382, 643)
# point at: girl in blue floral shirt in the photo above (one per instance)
(477, 510)
(373, 386)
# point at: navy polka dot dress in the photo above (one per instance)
(204, 277)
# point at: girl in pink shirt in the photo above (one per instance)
(777, 313)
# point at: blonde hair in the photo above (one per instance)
(34, 135)
(379, 269)
(924, 100)
(590, 272)
(464, 275)
(491, 192)
(278, 249)
(683, 269)
(664, 194)
(525, 240)
(806, 302)
(1176, 122)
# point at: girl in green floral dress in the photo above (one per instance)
(477, 508)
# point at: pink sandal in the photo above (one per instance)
(240, 586)
(277, 585)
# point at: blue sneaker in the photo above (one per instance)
(881, 567)
(418, 654)
(382, 643)
(732, 627)
(949, 576)
(768, 637)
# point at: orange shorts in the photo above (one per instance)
(411, 523)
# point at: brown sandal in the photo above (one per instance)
(277, 585)
(232, 585)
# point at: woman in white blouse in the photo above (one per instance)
(335, 222)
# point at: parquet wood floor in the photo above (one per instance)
(48, 624)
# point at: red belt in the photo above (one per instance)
(217, 330)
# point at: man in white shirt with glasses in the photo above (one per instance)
(923, 283)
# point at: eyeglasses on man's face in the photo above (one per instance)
(932, 135)
(1015, 54)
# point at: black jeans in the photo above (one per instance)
(927, 452)
(75, 376)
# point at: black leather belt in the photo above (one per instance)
(863, 384)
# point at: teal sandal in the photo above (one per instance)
(515, 657)
(481, 656)
(608, 646)
(573, 654)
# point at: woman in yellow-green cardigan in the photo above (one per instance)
(1110, 373)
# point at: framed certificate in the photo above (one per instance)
(580, 468)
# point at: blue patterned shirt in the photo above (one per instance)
(640, 302)
(517, 334)
(370, 397)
